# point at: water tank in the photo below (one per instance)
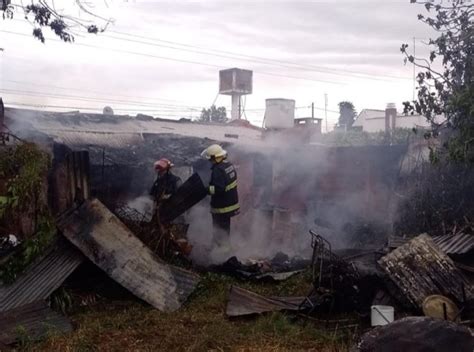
(279, 113)
(235, 81)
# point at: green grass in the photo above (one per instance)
(200, 325)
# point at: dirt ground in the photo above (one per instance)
(200, 325)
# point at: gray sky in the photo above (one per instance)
(163, 57)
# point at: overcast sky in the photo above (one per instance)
(163, 57)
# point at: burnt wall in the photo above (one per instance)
(121, 174)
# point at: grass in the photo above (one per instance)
(200, 325)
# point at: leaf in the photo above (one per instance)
(38, 33)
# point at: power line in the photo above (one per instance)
(101, 100)
(251, 58)
(178, 60)
(233, 55)
(86, 91)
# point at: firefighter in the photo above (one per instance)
(166, 183)
(223, 192)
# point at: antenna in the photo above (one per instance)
(414, 67)
(326, 110)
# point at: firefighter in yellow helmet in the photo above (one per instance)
(223, 191)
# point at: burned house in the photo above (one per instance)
(284, 187)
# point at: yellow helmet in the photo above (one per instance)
(213, 151)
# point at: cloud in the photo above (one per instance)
(359, 36)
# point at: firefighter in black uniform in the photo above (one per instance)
(223, 192)
(166, 184)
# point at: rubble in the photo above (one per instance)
(417, 334)
(242, 302)
(280, 268)
(420, 269)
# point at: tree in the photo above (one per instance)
(43, 13)
(449, 89)
(347, 114)
(214, 114)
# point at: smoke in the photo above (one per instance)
(344, 194)
(144, 205)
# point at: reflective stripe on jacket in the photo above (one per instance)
(223, 189)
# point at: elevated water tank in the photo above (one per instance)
(279, 113)
(235, 81)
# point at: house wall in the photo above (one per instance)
(373, 125)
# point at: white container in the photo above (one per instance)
(279, 113)
(381, 315)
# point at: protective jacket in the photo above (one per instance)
(165, 185)
(223, 189)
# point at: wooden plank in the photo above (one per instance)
(110, 245)
(33, 321)
(420, 269)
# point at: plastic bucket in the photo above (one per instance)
(381, 315)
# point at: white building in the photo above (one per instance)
(371, 120)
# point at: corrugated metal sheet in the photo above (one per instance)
(42, 277)
(397, 241)
(110, 245)
(420, 269)
(105, 139)
(449, 244)
(457, 244)
(35, 320)
(243, 302)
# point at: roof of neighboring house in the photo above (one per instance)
(374, 114)
(69, 125)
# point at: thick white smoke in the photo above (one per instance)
(305, 193)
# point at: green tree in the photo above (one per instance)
(214, 114)
(347, 114)
(446, 81)
(44, 14)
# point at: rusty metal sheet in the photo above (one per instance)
(110, 245)
(420, 269)
(42, 277)
(243, 302)
(34, 320)
(455, 244)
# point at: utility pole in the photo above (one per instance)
(312, 110)
(326, 110)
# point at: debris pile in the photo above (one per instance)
(419, 268)
(281, 267)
